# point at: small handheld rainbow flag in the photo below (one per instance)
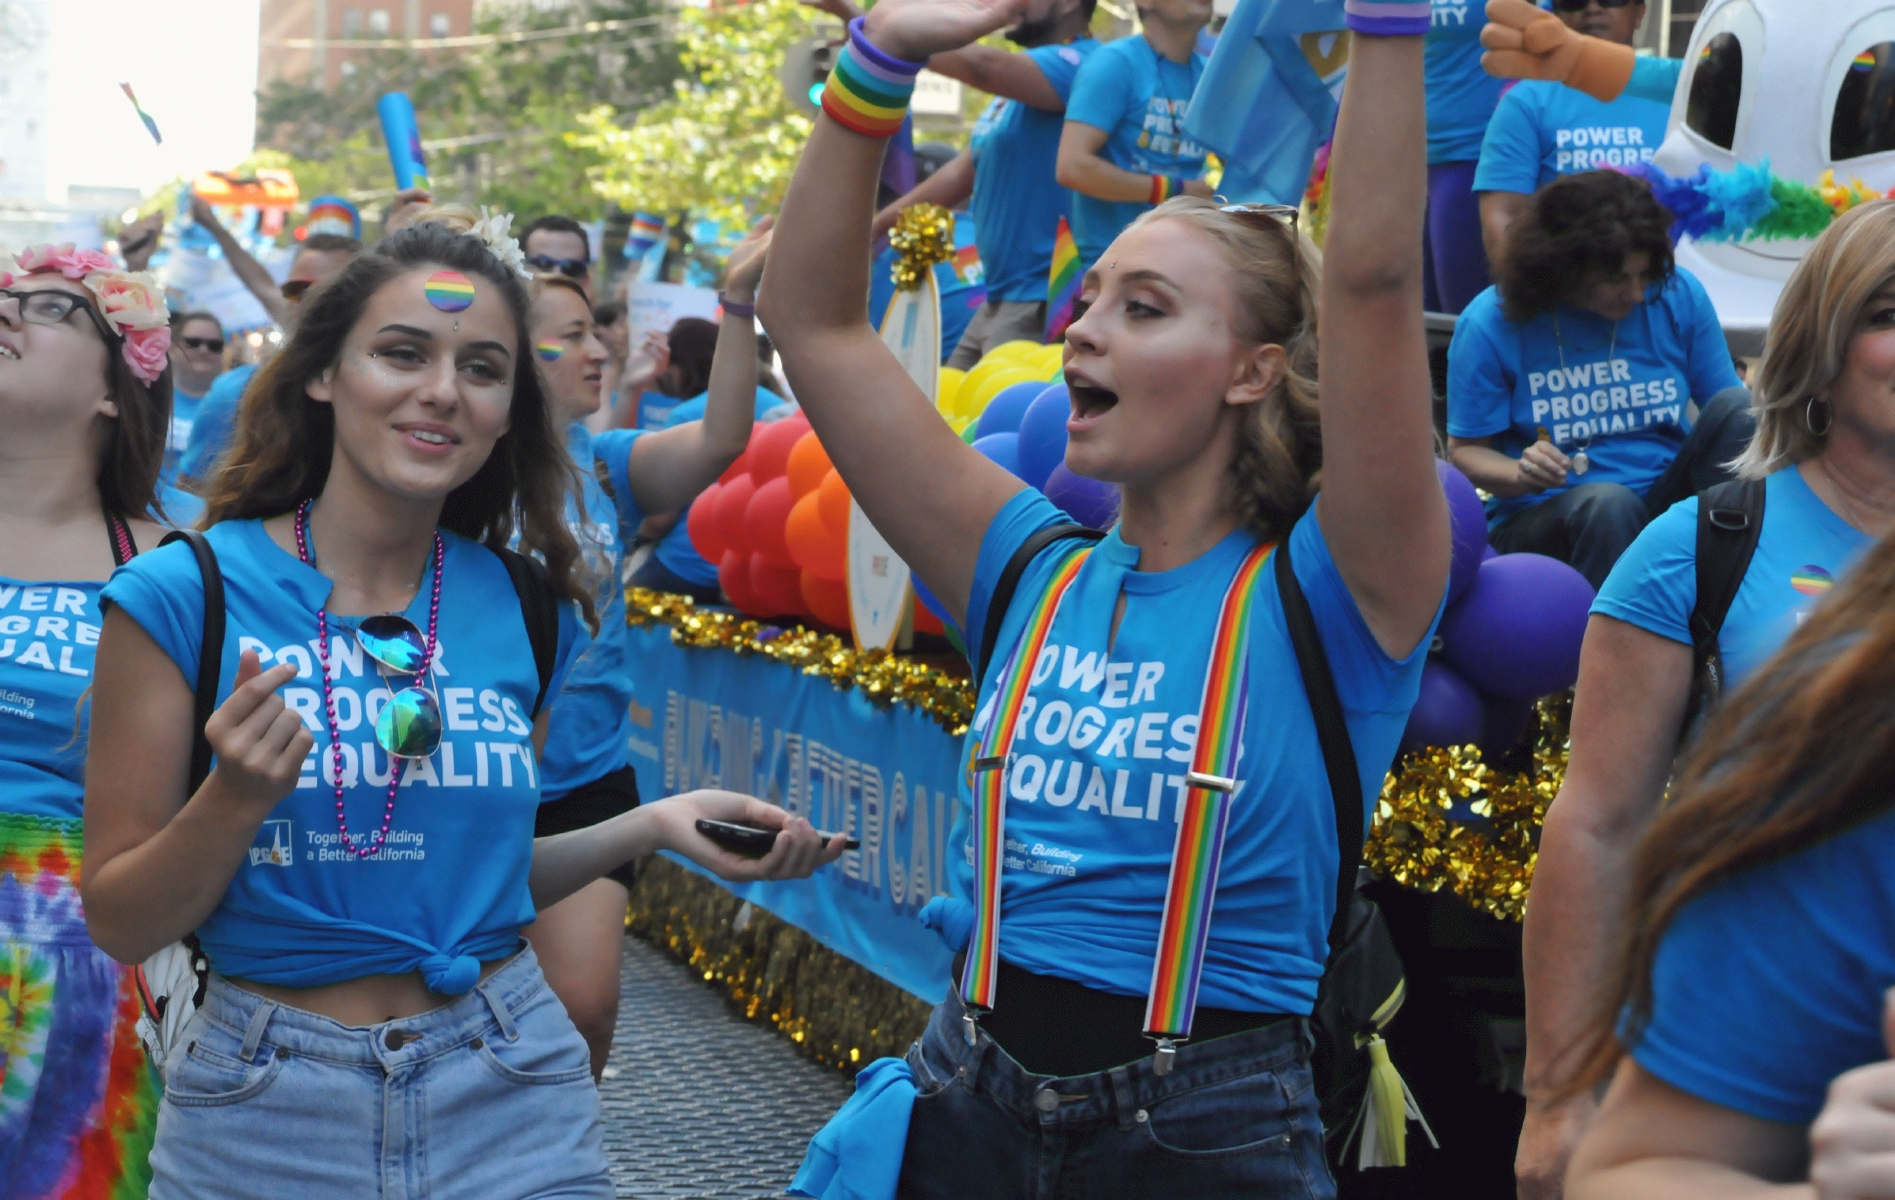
(1062, 283)
(151, 126)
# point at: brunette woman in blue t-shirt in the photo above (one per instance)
(1193, 388)
(372, 1020)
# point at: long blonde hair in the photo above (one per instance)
(1278, 273)
(1815, 318)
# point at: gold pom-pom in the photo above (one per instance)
(923, 236)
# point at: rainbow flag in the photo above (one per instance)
(151, 126)
(1062, 283)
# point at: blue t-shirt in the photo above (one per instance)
(1461, 96)
(1139, 98)
(587, 731)
(1770, 985)
(1103, 746)
(449, 889)
(183, 416)
(1543, 130)
(961, 281)
(1803, 549)
(215, 422)
(1017, 201)
(49, 634)
(675, 550)
(1625, 408)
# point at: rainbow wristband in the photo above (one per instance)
(1164, 187)
(1388, 18)
(867, 91)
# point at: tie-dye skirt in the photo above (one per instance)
(78, 1101)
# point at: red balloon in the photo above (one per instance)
(733, 575)
(809, 462)
(739, 466)
(779, 590)
(770, 449)
(927, 622)
(732, 499)
(700, 525)
(764, 518)
(833, 500)
(828, 600)
(815, 547)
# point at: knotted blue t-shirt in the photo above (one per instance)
(448, 890)
(1100, 755)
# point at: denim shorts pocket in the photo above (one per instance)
(547, 1050)
(203, 1078)
(1247, 1115)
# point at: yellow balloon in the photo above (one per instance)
(949, 390)
(978, 375)
(1020, 349)
(975, 401)
(1053, 363)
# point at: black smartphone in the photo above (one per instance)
(748, 841)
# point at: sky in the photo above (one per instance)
(193, 64)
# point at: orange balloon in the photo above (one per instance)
(813, 546)
(828, 600)
(832, 498)
(809, 462)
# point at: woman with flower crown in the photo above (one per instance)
(85, 404)
(358, 862)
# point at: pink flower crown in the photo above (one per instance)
(131, 302)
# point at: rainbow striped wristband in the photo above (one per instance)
(867, 91)
(1388, 18)
(1164, 187)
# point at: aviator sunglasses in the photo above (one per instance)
(410, 723)
(1574, 6)
(572, 268)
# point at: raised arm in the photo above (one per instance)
(930, 494)
(990, 69)
(949, 187)
(668, 469)
(252, 273)
(1381, 506)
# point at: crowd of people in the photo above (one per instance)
(247, 951)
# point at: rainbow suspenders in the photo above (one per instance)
(1199, 850)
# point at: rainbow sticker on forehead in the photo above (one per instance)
(549, 351)
(448, 291)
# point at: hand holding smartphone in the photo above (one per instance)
(750, 841)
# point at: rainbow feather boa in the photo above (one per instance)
(1750, 202)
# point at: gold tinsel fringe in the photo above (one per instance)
(923, 236)
(883, 677)
(835, 1011)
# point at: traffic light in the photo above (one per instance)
(805, 67)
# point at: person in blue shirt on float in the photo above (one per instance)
(1828, 475)
(83, 425)
(360, 860)
(1572, 382)
(1123, 149)
(1193, 378)
(1544, 130)
(584, 774)
(197, 359)
(1461, 100)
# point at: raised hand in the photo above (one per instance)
(1526, 42)
(1852, 1143)
(915, 30)
(745, 268)
(260, 741)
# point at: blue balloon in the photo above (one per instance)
(1448, 711)
(1090, 502)
(1043, 435)
(1005, 411)
(1003, 448)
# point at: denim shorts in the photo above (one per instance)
(1235, 1117)
(488, 1098)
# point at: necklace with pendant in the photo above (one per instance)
(1580, 462)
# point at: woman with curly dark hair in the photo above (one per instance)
(1571, 381)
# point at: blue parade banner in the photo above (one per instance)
(712, 718)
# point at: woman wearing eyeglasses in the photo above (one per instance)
(359, 861)
(1193, 379)
(585, 775)
(85, 406)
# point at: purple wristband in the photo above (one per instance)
(735, 309)
(1388, 18)
(859, 41)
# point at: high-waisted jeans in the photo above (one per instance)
(488, 1098)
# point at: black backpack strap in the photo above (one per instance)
(1332, 733)
(1009, 582)
(210, 658)
(1730, 520)
(540, 608)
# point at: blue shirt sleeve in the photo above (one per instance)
(1655, 78)
(1020, 518)
(1060, 65)
(1510, 153)
(1102, 92)
(1367, 679)
(1708, 362)
(1654, 585)
(163, 591)
(614, 449)
(1480, 385)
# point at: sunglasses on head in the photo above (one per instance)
(214, 345)
(1573, 6)
(409, 725)
(1286, 213)
(575, 268)
(293, 289)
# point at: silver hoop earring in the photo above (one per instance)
(1809, 417)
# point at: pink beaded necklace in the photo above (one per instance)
(328, 693)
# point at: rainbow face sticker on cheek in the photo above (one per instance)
(448, 291)
(549, 351)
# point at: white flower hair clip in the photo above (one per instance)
(496, 230)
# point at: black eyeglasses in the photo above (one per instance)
(51, 307)
(1573, 6)
(575, 268)
(214, 345)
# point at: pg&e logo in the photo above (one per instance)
(275, 845)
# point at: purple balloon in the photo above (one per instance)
(1089, 501)
(1008, 407)
(1043, 435)
(1516, 633)
(1003, 448)
(1467, 521)
(1502, 724)
(1447, 712)
(1488, 552)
